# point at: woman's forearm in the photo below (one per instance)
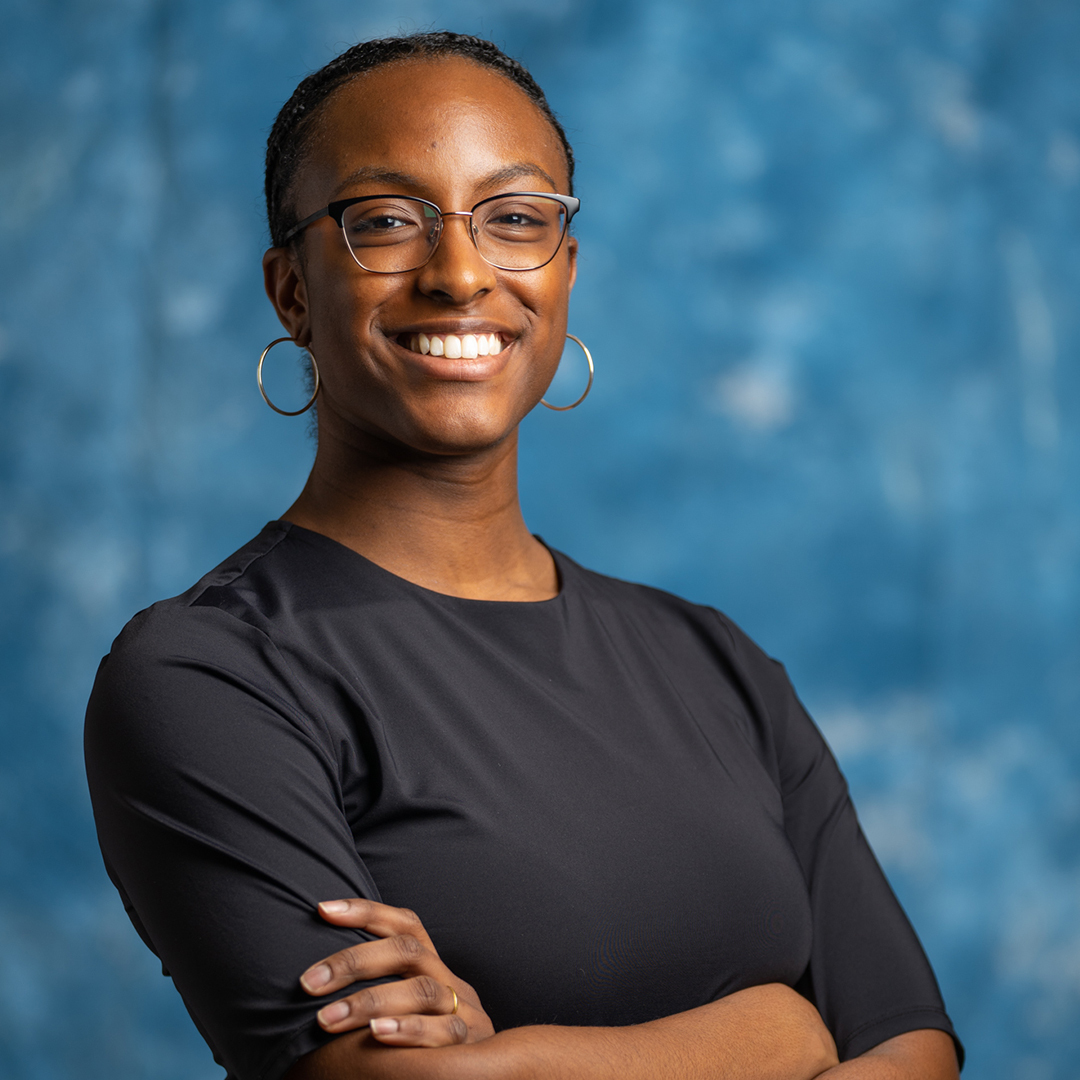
(763, 1033)
(766, 1033)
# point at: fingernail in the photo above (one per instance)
(333, 1013)
(334, 907)
(384, 1025)
(317, 977)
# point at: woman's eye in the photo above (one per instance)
(383, 223)
(517, 219)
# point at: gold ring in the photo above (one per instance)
(453, 1011)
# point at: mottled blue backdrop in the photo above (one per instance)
(842, 403)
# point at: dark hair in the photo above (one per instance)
(288, 137)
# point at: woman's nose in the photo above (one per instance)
(456, 272)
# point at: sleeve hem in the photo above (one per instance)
(869, 1035)
(309, 1036)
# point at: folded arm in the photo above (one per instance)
(764, 1033)
(429, 1024)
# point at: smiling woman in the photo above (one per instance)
(397, 791)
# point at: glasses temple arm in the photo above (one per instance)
(301, 225)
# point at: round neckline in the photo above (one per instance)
(556, 557)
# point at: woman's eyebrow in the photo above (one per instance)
(515, 172)
(367, 174)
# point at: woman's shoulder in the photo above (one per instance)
(716, 666)
(241, 618)
(236, 588)
(180, 656)
(659, 606)
(694, 641)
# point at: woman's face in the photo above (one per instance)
(452, 132)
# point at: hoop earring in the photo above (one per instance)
(588, 357)
(262, 389)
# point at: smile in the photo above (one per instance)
(453, 346)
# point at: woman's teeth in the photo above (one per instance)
(453, 346)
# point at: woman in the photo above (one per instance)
(628, 849)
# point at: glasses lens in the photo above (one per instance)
(519, 232)
(392, 234)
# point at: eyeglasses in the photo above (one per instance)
(391, 234)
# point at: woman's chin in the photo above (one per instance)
(455, 430)
(466, 436)
(467, 419)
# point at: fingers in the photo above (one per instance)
(378, 919)
(421, 996)
(421, 1003)
(403, 955)
(420, 1030)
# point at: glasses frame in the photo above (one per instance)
(336, 211)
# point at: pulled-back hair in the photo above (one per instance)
(288, 137)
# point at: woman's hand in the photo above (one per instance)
(430, 1006)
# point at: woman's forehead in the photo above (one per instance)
(425, 116)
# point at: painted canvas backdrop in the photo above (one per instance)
(829, 273)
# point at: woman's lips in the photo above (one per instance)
(457, 357)
(453, 346)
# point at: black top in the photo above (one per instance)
(606, 807)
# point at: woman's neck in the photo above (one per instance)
(452, 524)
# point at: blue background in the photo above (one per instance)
(837, 395)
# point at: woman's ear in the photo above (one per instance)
(283, 280)
(572, 250)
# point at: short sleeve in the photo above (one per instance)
(219, 809)
(868, 974)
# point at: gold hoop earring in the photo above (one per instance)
(588, 357)
(262, 389)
